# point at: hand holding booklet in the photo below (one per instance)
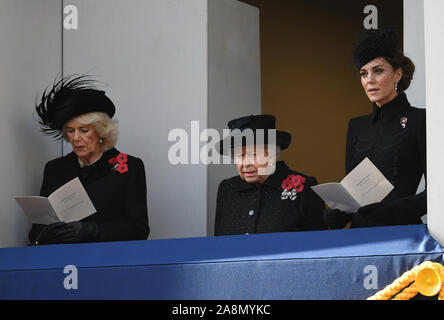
(364, 185)
(68, 203)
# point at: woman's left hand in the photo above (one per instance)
(373, 215)
(77, 232)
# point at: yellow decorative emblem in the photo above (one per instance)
(427, 279)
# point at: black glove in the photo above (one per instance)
(374, 215)
(78, 232)
(335, 218)
(47, 233)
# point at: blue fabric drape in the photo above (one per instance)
(300, 265)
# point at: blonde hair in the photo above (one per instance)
(104, 126)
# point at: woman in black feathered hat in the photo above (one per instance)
(266, 196)
(75, 110)
(393, 136)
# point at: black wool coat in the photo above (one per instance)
(393, 137)
(119, 196)
(246, 208)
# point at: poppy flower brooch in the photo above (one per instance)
(119, 163)
(291, 186)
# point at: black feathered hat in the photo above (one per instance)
(375, 43)
(253, 122)
(67, 99)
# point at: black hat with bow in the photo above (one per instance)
(68, 98)
(254, 123)
(375, 43)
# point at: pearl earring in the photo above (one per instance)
(396, 86)
(101, 140)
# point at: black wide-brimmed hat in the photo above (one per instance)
(68, 98)
(254, 123)
(375, 43)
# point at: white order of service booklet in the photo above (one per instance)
(68, 203)
(364, 185)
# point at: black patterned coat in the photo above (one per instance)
(245, 208)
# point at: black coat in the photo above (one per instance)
(119, 197)
(393, 137)
(245, 208)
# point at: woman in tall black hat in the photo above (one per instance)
(393, 136)
(75, 110)
(266, 196)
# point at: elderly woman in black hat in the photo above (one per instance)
(266, 196)
(393, 136)
(76, 111)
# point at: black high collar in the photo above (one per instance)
(389, 110)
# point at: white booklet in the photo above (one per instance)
(364, 185)
(68, 203)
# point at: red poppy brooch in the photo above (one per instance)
(292, 185)
(119, 163)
